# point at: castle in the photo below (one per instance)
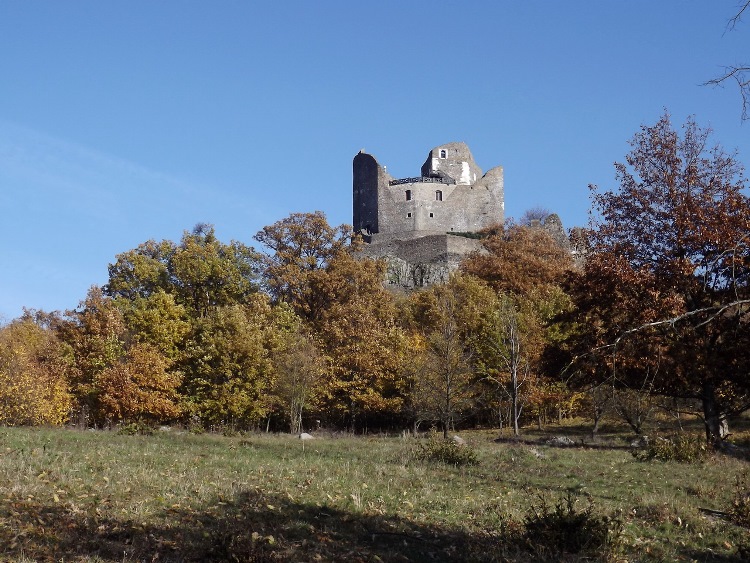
(418, 224)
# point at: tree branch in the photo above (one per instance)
(737, 18)
(738, 73)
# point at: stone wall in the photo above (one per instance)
(422, 261)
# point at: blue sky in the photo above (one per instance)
(126, 121)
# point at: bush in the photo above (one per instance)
(139, 428)
(446, 451)
(684, 448)
(739, 513)
(563, 528)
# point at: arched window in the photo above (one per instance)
(438, 195)
(442, 153)
(408, 195)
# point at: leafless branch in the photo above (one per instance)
(737, 18)
(736, 73)
(739, 74)
(714, 312)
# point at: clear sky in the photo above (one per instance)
(134, 120)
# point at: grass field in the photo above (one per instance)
(174, 496)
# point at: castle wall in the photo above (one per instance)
(422, 261)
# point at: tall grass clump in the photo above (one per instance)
(552, 530)
(683, 448)
(446, 451)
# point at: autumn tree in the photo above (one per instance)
(662, 293)
(299, 370)
(452, 319)
(200, 272)
(138, 387)
(228, 375)
(359, 334)
(519, 259)
(312, 267)
(526, 267)
(34, 370)
(116, 377)
(298, 246)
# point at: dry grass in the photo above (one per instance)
(99, 496)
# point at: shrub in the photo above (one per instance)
(684, 448)
(563, 528)
(446, 451)
(739, 513)
(139, 427)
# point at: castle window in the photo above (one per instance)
(438, 195)
(431, 215)
(408, 214)
(442, 153)
(408, 195)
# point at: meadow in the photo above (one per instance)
(72, 495)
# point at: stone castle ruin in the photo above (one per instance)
(418, 225)
(422, 225)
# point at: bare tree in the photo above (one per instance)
(448, 367)
(298, 366)
(536, 213)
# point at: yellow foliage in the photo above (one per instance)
(33, 376)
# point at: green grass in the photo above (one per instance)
(100, 496)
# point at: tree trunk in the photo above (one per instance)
(716, 425)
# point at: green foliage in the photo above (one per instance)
(446, 451)
(200, 272)
(228, 371)
(683, 448)
(564, 528)
(136, 428)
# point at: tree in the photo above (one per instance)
(534, 214)
(207, 273)
(34, 370)
(526, 267)
(227, 364)
(738, 73)
(299, 369)
(200, 272)
(364, 345)
(138, 387)
(508, 344)
(117, 377)
(452, 318)
(519, 259)
(668, 258)
(300, 245)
